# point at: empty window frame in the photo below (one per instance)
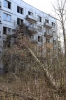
(4, 30)
(46, 21)
(53, 24)
(39, 19)
(6, 17)
(39, 38)
(19, 21)
(30, 13)
(7, 4)
(20, 10)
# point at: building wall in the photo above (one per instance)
(36, 12)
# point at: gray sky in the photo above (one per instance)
(44, 5)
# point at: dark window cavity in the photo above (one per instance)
(19, 21)
(39, 38)
(9, 5)
(19, 10)
(46, 21)
(53, 24)
(30, 13)
(39, 19)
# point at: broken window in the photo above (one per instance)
(53, 24)
(19, 21)
(39, 19)
(9, 5)
(19, 10)
(46, 21)
(30, 13)
(39, 38)
(4, 30)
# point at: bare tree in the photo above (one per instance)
(61, 17)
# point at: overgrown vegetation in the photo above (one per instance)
(28, 76)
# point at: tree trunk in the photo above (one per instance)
(48, 75)
(64, 38)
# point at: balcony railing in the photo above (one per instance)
(46, 34)
(32, 19)
(32, 29)
(48, 25)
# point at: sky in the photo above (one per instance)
(43, 5)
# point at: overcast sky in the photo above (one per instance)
(44, 5)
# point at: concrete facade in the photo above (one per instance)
(13, 12)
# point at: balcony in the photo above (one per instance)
(31, 19)
(48, 25)
(48, 35)
(4, 37)
(32, 29)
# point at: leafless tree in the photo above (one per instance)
(60, 11)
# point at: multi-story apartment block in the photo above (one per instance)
(15, 12)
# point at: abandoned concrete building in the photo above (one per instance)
(16, 12)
